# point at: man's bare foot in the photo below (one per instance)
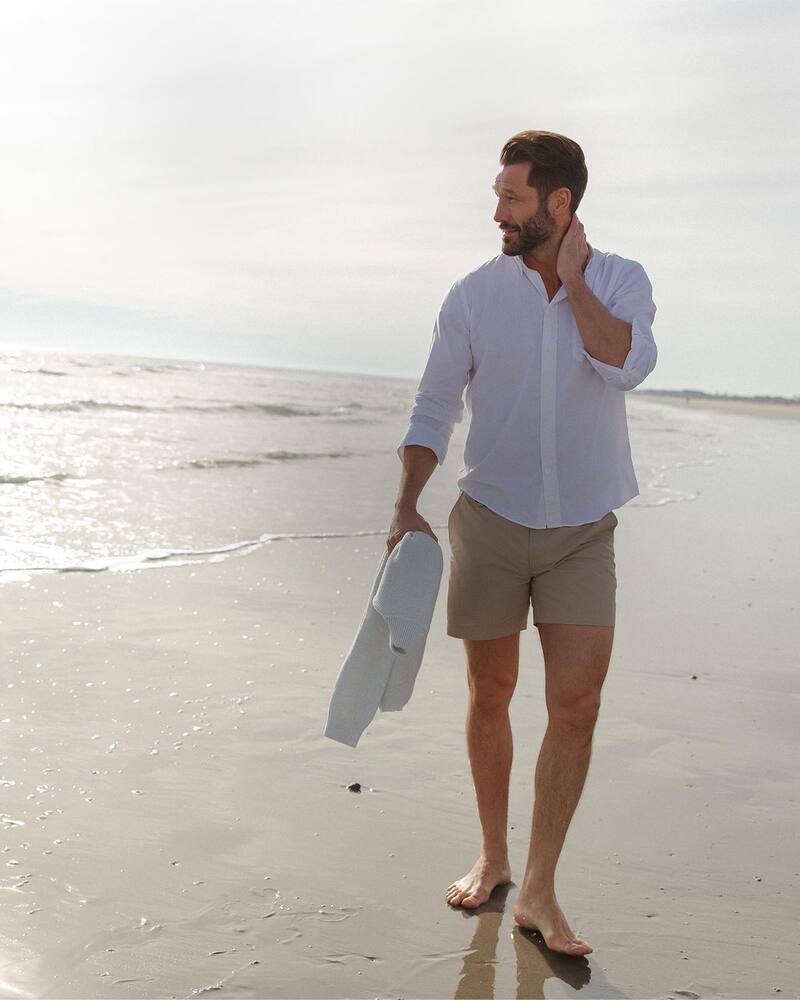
(542, 913)
(475, 887)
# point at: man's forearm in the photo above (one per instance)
(605, 337)
(418, 465)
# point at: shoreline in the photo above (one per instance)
(772, 411)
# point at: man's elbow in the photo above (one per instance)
(633, 378)
(420, 453)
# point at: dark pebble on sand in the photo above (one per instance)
(354, 786)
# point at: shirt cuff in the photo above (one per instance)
(634, 368)
(429, 437)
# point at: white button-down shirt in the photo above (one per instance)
(548, 435)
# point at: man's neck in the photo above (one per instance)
(543, 259)
(546, 266)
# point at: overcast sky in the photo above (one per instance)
(299, 183)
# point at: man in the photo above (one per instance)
(547, 337)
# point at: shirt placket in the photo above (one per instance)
(547, 416)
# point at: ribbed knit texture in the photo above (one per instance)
(381, 667)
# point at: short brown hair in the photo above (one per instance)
(555, 160)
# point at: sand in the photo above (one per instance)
(174, 821)
(760, 408)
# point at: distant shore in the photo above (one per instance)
(772, 409)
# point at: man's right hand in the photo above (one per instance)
(406, 519)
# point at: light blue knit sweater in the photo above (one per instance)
(386, 654)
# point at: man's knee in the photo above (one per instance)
(576, 710)
(492, 670)
(492, 692)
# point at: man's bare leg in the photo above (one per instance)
(492, 669)
(576, 662)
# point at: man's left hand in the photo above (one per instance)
(573, 253)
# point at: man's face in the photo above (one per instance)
(525, 223)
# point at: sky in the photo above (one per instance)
(300, 183)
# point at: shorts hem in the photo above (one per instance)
(500, 634)
(543, 621)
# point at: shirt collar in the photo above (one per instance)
(533, 275)
(524, 269)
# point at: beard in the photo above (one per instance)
(531, 235)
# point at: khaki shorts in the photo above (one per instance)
(499, 568)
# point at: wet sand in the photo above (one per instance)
(175, 822)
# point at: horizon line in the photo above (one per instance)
(11, 349)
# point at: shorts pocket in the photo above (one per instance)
(476, 503)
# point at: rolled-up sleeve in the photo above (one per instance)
(632, 300)
(438, 404)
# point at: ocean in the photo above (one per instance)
(120, 463)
